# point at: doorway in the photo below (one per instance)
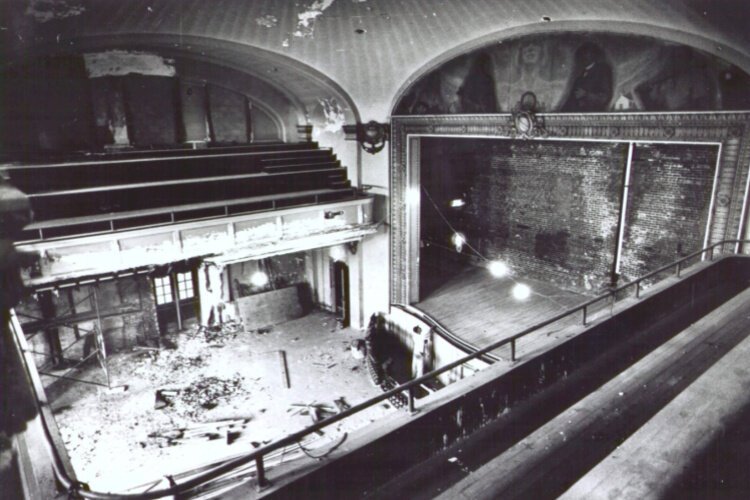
(340, 286)
(176, 301)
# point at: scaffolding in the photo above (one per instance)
(66, 363)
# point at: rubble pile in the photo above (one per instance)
(218, 334)
(162, 365)
(204, 394)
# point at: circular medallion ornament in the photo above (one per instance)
(524, 123)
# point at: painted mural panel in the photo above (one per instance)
(579, 73)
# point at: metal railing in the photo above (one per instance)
(77, 489)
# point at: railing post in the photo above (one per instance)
(638, 289)
(412, 409)
(584, 315)
(261, 473)
(513, 350)
(679, 268)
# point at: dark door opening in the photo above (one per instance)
(340, 281)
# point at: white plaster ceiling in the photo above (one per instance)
(311, 49)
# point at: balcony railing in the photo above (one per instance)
(77, 489)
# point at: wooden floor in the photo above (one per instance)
(640, 431)
(480, 309)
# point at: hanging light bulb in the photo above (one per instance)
(521, 291)
(458, 241)
(498, 269)
(259, 279)
(337, 253)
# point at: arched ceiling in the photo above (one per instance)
(366, 51)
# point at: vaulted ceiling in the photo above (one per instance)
(365, 53)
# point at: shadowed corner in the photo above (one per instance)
(17, 405)
(720, 469)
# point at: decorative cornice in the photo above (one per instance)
(698, 126)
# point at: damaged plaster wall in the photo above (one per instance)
(328, 117)
(273, 115)
(122, 62)
(134, 97)
(43, 11)
(137, 98)
(306, 19)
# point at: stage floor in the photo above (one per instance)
(481, 309)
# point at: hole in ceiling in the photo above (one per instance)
(360, 31)
(546, 19)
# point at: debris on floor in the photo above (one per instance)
(229, 430)
(183, 393)
(220, 333)
(341, 404)
(316, 411)
(205, 394)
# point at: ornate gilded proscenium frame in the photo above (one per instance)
(730, 130)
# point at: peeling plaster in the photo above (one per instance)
(48, 10)
(267, 21)
(121, 62)
(333, 115)
(306, 19)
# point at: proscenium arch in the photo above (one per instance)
(730, 129)
(300, 83)
(693, 40)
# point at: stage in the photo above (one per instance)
(480, 308)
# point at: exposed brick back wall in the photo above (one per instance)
(551, 209)
(668, 204)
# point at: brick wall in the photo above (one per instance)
(548, 209)
(551, 209)
(668, 205)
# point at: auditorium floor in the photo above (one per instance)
(229, 396)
